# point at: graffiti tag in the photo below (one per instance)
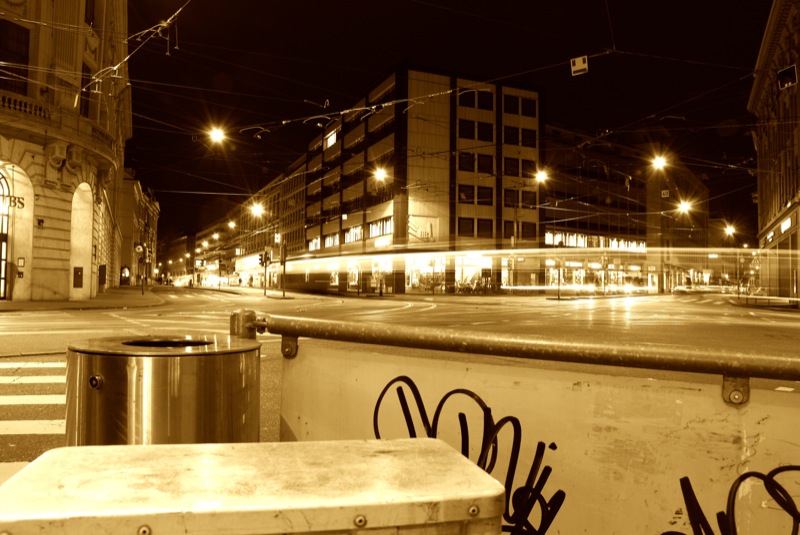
(726, 520)
(521, 502)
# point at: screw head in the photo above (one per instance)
(96, 382)
(473, 510)
(736, 396)
(360, 521)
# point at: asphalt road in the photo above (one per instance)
(697, 321)
(33, 343)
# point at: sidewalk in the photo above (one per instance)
(121, 297)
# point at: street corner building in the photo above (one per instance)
(65, 114)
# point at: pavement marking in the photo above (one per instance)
(34, 399)
(44, 364)
(31, 379)
(33, 427)
(45, 330)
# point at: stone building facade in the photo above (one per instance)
(65, 114)
(775, 100)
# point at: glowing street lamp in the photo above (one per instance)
(730, 230)
(380, 174)
(659, 162)
(217, 135)
(257, 209)
(541, 176)
(684, 207)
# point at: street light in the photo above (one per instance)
(217, 135)
(684, 207)
(659, 162)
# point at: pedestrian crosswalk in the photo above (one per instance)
(32, 409)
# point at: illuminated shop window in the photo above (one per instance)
(332, 240)
(354, 234)
(382, 227)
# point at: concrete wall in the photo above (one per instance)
(626, 451)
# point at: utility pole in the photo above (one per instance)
(283, 263)
(266, 266)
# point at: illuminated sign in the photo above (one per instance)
(7, 201)
(787, 223)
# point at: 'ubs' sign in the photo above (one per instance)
(7, 201)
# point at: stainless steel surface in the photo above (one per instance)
(163, 390)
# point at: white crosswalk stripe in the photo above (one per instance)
(32, 409)
(43, 399)
(32, 427)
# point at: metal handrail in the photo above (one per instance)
(736, 368)
(708, 361)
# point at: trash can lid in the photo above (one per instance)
(165, 345)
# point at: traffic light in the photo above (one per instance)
(260, 259)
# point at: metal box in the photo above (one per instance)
(406, 486)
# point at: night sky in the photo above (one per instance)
(683, 74)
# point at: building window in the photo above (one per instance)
(528, 168)
(528, 107)
(508, 229)
(466, 227)
(467, 98)
(466, 161)
(14, 50)
(486, 132)
(314, 245)
(511, 104)
(511, 135)
(485, 228)
(528, 199)
(330, 139)
(486, 164)
(485, 100)
(354, 234)
(485, 196)
(510, 198)
(381, 227)
(86, 90)
(511, 166)
(88, 13)
(528, 230)
(466, 129)
(332, 240)
(529, 138)
(466, 194)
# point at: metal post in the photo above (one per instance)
(243, 324)
(560, 261)
(283, 263)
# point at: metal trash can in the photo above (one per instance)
(163, 390)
